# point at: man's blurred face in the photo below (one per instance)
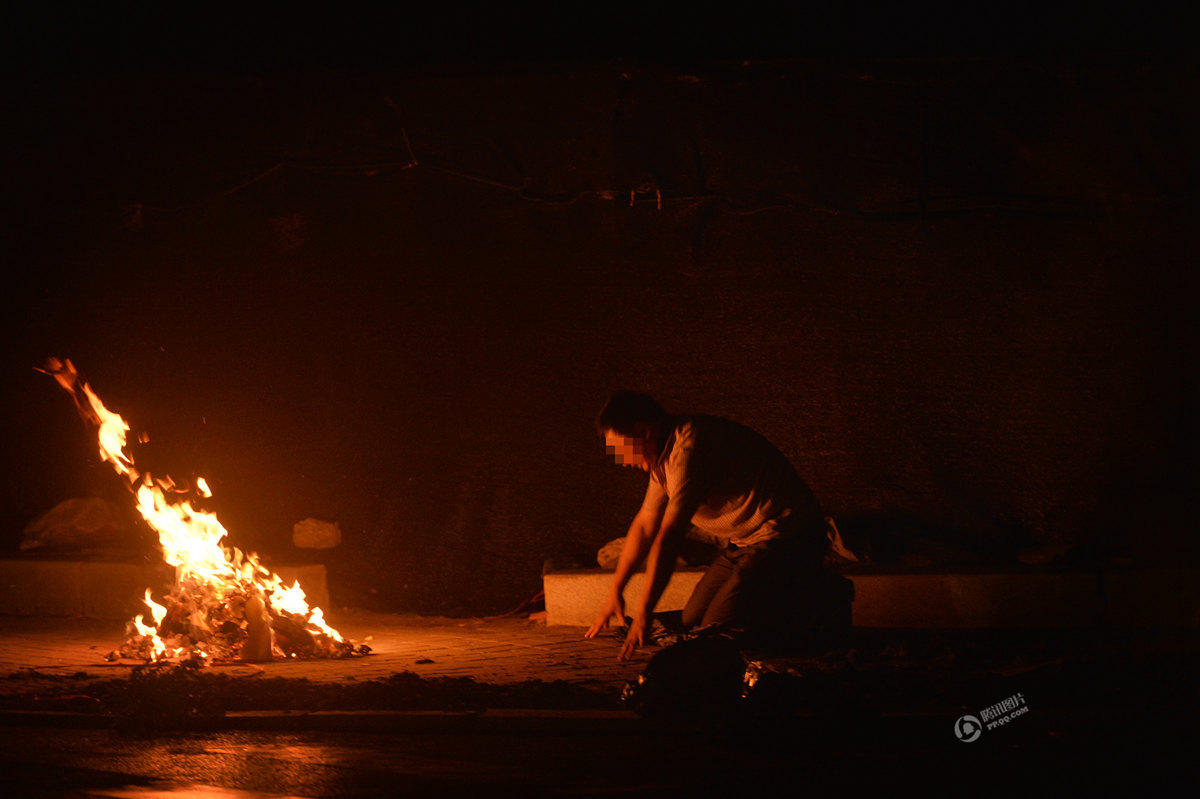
(627, 451)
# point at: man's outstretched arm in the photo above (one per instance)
(637, 541)
(660, 563)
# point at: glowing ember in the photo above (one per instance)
(220, 595)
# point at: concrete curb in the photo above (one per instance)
(981, 598)
(416, 721)
(55, 719)
(435, 721)
(488, 722)
(936, 727)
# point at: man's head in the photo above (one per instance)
(631, 424)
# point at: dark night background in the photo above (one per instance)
(943, 258)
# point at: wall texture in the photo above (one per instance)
(959, 293)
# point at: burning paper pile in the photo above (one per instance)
(224, 603)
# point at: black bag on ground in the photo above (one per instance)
(702, 675)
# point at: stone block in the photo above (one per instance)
(574, 597)
(111, 589)
(890, 597)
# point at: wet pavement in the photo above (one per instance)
(1078, 711)
(731, 760)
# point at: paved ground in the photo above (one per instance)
(505, 650)
(59, 664)
(269, 765)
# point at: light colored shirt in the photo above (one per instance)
(732, 483)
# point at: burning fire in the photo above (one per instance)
(224, 603)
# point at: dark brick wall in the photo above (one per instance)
(957, 292)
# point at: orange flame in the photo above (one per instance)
(156, 610)
(190, 538)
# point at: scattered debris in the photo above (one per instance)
(80, 523)
(316, 534)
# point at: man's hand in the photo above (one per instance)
(614, 607)
(634, 638)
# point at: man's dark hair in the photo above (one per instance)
(626, 409)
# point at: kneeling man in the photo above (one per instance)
(734, 487)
